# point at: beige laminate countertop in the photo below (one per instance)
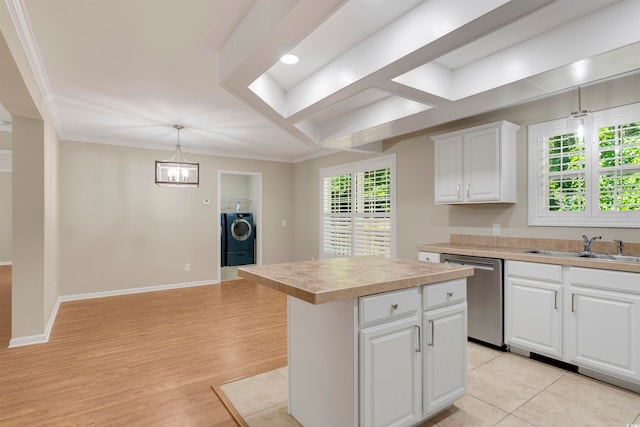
(517, 254)
(323, 281)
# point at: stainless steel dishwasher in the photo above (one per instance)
(484, 297)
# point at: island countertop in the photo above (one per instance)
(328, 280)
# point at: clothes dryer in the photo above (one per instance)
(223, 240)
(240, 238)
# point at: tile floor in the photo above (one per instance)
(228, 273)
(505, 390)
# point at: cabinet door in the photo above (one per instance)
(604, 331)
(482, 165)
(533, 316)
(445, 359)
(448, 170)
(391, 374)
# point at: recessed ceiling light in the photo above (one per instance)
(289, 59)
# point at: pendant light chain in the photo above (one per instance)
(178, 152)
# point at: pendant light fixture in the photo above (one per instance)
(580, 121)
(177, 172)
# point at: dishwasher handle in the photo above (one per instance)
(474, 264)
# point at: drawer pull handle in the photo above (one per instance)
(433, 333)
(394, 306)
(419, 347)
(449, 294)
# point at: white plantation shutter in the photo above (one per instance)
(337, 221)
(372, 235)
(619, 167)
(563, 173)
(357, 209)
(595, 182)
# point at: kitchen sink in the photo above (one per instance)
(552, 253)
(623, 258)
(595, 255)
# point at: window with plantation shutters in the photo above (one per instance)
(589, 182)
(357, 209)
(619, 167)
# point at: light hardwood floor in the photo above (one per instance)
(141, 360)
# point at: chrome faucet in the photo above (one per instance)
(619, 246)
(588, 242)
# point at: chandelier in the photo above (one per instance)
(177, 171)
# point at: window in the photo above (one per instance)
(589, 182)
(358, 209)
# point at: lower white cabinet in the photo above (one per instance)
(445, 358)
(414, 367)
(533, 307)
(584, 316)
(391, 381)
(603, 323)
(389, 359)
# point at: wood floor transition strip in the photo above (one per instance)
(229, 406)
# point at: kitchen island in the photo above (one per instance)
(373, 341)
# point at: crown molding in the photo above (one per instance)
(21, 22)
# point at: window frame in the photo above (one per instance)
(353, 168)
(592, 216)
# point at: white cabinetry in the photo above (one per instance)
(389, 359)
(391, 374)
(444, 328)
(603, 322)
(584, 316)
(390, 355)
(429, 256)
(476, 165)
(533, 307)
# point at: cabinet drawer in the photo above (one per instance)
(445, 293)
(388, 305)
(535, 271)
(428, 256)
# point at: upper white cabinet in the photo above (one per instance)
(476, 165)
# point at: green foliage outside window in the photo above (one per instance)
(618, 168)
(619, 164)
(374, 191)
(566, 173)
(341, 193)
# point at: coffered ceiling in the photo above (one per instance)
(123, 72)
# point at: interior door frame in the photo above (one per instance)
(257, 214)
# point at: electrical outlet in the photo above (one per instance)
(284, 222)
(496, 229)
(187, 267)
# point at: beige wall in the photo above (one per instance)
(420, 221)
(34, 191)
(121, 231)
(6, 232)
(5, 205)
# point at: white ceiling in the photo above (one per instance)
(123, 72)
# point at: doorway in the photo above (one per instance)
(239, 208)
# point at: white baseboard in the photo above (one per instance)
(43, 338)
(118, 292)
(5, 263)
(38, 339)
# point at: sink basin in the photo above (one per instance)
(552, 253)
(623, 258)
(595, 255)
